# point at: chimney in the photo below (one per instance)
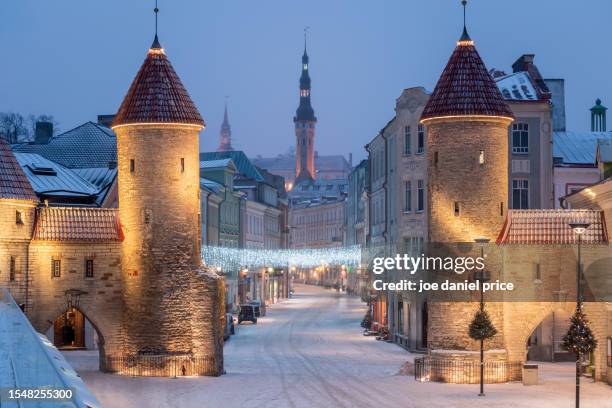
(43, 133)
(524, 62)
(105, 120)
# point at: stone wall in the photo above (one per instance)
(455, 175)
(14, 243)
(172, 307)
(102, 300)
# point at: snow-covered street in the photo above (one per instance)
(309, 352)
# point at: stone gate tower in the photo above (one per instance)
(467, 150)
(173, 307)
(305, 122)
(467, 147)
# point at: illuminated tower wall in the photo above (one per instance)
(173, 307)
(467, 151)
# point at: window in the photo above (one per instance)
(520, 194)
(435, 159)
(132, 165)
(12, 269)
(501, 208)
(89, 268)
(420, 195)
(481, 158)
(457, 210)
(421, 139)
(408, 196)
(407, 141)
(18, 217)
(537, 273)
(520, 138)
(56, 268)
(182, 165)
(413, 246)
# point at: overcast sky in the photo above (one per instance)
(75, 59)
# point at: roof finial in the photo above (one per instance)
(156, 45)
(305, 36)
(156, 11)
(465, 38)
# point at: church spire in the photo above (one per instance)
(305, 121)
(225, 136)
(305, 111)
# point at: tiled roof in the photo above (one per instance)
(544, 227)
(88, 145)
(242, 162)
(13, 182)
(157, 95)
(577, 147)
(465, 87)
(77, 224)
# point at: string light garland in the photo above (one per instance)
(234, 259)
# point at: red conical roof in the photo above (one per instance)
(157, 95)
(13, 181)
(465, 87)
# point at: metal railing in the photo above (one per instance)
(466, 371)
(164, 365)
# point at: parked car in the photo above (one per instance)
(257, 304)
(229, 326)
(247, 314)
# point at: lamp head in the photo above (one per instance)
(579, 227)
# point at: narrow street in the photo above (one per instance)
(309, 352)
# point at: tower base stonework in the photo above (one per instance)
(205, 322)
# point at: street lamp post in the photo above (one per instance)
(579, 229)
(482, 277)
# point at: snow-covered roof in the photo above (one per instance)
(517, 87)
(577, 147)
(28, 360)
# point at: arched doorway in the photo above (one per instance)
(546, 340)
(72, 330)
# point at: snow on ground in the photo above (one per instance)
(309, 352)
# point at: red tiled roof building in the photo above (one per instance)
(467, 148)
(13, 182)
(157, 95)
(157, 128)
(465, 87)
